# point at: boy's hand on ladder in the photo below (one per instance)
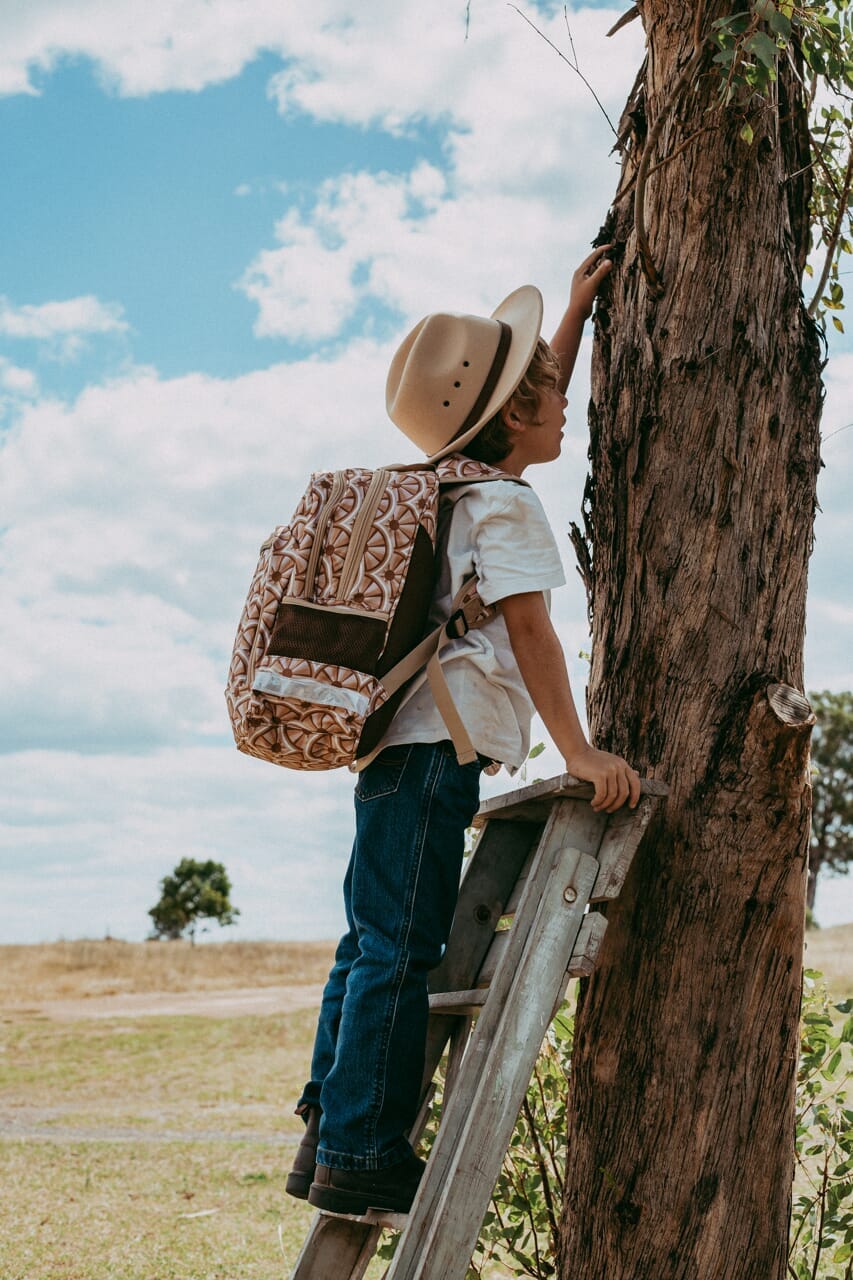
(613, 778)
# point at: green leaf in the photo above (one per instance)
(779, 24)
(746, 133)
(536, 751)
(839, 326)
(765, 49)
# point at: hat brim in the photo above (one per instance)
(522, 311)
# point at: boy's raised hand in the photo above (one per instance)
(613, 778)
(587, 280)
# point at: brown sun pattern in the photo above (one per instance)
(291, 731)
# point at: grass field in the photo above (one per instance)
(154, 1147)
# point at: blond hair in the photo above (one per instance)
(494, 440)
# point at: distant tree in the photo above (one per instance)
(194, 891)
(831, 844)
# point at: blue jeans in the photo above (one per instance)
(412, 804)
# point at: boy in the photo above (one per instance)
(491, 389)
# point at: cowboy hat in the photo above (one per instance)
(453, 372)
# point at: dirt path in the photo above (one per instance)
(33, 1124)
(236, 1002)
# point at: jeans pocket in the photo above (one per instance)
(383, 776)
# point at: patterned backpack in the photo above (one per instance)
(332, 631)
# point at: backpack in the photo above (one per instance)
(332, 632)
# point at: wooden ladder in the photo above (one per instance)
(543, 855)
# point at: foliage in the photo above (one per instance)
(816, 36)
(521, 1228)
(522, 1225)
(194, 891)
(832, 784)
(822, 1219)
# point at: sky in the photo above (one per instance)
(219, 220)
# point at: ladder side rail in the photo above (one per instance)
(339, 1247)
(486, 885)
(479, 1120)
(570, 822)
(334, 1244)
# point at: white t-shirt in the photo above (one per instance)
(498, 530)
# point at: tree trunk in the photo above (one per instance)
(699, 512)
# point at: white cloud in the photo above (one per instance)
(385, 63)
(134, 513)
(85, 840)
(50, 319)
(16, 381)
(307, 289)
(524, 192)
(133, 520)
(63, 325)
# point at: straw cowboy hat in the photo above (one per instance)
(453, 372)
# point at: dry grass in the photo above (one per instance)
(71, 970)
(118, 1131)
(110, 1211)
(831, 952)
(66, 970)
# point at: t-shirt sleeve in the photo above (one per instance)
(514, 549)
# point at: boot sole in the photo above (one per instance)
(357, 1203)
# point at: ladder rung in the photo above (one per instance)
(466, 1002)
(373, 1218)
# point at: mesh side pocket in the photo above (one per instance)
(346, 640)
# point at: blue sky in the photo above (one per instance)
(218, 220)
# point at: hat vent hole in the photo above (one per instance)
(447, 404)
(457, 384)
(466, 363)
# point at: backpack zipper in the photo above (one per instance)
(325, 515)
(360, 530)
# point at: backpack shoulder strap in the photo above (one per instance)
(458, 469)
(466, 611)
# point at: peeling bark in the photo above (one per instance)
(699, 513)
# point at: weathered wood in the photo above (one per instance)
(469, 1002)
(517, 889)
(528, 966)
(532, 803)
(456, 1053)
(704, 448)
(493, 957)
(335, 1243)
(486, 885)
(588, 945)
(336, 1246)
(480, 1114)
(625, 830)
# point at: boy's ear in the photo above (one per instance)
(511, 417)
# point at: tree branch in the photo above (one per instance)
(650, 271)
(835, 236)
(568, 63)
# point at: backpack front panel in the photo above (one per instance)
(320, 610)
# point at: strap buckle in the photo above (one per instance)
(457, 625)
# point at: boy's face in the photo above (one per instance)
(542, 436)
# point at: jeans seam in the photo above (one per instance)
(405, 933)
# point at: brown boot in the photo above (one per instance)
(302, 1174)
(356, 1191)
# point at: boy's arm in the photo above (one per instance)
(540, 659)
(585, 284)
